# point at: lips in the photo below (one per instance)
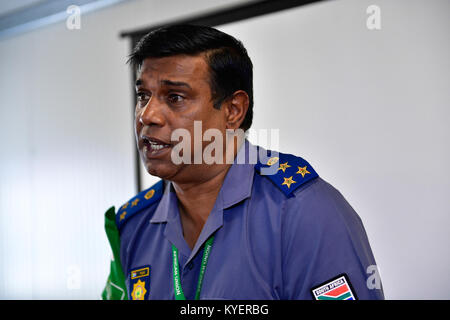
(154, 146)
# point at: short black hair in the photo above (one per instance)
(231, 68)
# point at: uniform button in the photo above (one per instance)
(190, 265)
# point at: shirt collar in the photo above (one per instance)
(238, 182)
(167, 205)
(236, 187)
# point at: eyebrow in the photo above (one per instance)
(139, 82)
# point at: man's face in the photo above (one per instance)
(172, 93)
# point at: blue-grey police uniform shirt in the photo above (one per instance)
(271, 240)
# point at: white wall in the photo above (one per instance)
(369, 110)
(66, 147)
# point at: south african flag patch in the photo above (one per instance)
(338, 288)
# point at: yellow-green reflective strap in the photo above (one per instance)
(179, 294)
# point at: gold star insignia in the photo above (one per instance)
(125, 206)
(288, 181)
(149, 194)
(302, 171)
(122, 216)
(134, 202)
(283, 166)
(272, 161)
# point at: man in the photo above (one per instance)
(268, 229)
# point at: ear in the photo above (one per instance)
(235, 109)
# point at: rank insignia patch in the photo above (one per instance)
(138, 203)
(290, 172)
(338, 288)
(140, 283)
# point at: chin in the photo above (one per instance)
(160, 170)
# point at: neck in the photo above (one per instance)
(196, 201)
(196, 197)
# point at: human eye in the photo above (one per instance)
(142, 98)
(174, 98)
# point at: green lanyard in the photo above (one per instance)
(179, 295)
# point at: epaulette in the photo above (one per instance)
(292, 172)
(141, 201)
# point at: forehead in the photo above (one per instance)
(180, 67)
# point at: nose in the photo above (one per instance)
(152, 113)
